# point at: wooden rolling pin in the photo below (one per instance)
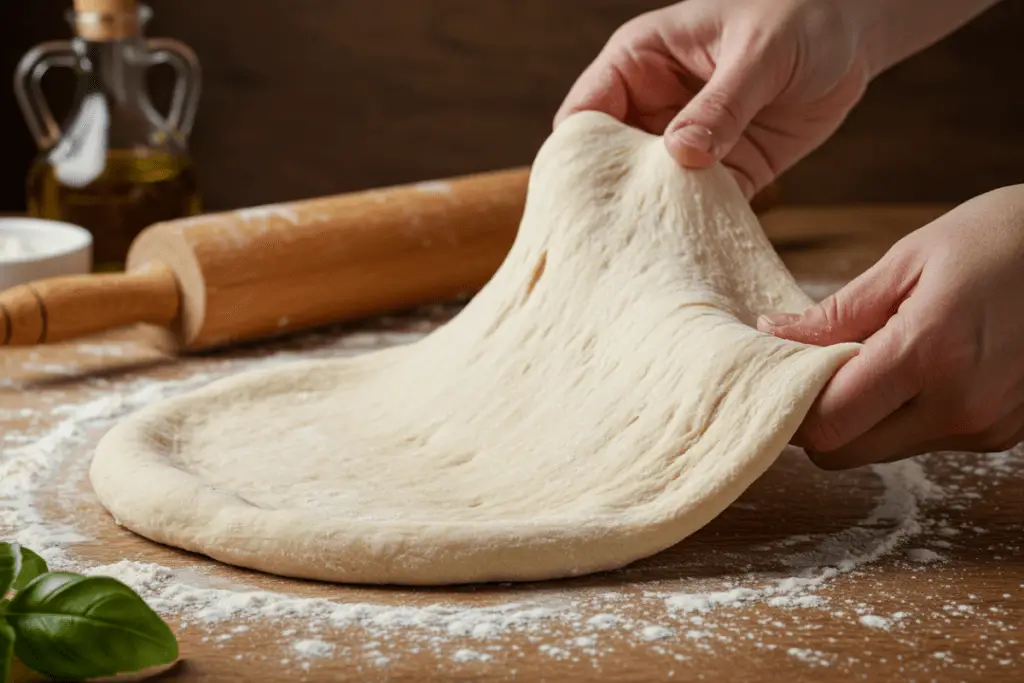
(249, 274)
(255, 273)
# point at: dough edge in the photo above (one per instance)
(196, 517)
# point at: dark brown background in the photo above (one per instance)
(322, 96)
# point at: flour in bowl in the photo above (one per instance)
(16, 248)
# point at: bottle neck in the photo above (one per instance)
(114, 68)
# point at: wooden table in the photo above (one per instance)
(913, 572)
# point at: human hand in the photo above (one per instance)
(754, 84)
(941, 316)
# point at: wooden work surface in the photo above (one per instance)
(914, 572)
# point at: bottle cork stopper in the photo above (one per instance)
(106, 6)
(105, 20)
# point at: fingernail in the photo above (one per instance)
(777, 319)
(696, 137)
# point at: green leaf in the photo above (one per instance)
(10, 566)
(6, 650)
(32, 566)
(18, 567)
(71, 626)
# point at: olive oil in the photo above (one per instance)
(117, 164)
(133, 190)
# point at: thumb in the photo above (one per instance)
(711, 123)
(855, 312)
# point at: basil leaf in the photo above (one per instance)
(32, 566)
(10, 566)
(6, 650)
(71, 626)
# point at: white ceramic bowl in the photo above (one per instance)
(34, 249)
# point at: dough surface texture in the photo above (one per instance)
(603, 396)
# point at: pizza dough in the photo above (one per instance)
(604, 396)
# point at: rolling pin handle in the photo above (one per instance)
(60, 309)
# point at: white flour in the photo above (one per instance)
(313, 648)
(814, 657)
(584, 624)
(873, 621)
(16, 248)
(434, 187)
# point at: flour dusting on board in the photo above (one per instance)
(696, 602)
(261, 215)
(434, 187)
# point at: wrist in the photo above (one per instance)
(889, 31)
(874, 30)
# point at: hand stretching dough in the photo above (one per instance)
(603, 397)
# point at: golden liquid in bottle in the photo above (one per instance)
(134, 190)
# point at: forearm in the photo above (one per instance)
(892, 30)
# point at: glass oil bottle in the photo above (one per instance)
(117, 165)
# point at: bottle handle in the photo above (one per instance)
(185, 99)
(28, 78)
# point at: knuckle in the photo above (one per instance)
(916, 360)
(722, 108)
(633, 31)
(833, 309)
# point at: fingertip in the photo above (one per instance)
(794, 327)
(829, 462)
(569, 111)
(599, 88)
(775, 323)
(575, 103)
(687, 157)
(848, 458)
(692, 146)
(765, 326)
(831, 455)
(561, 115)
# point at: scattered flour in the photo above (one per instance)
(595, 622)
(872, 621)
(465, 655)
(603, 621)
(813, 657)
(688, 602)
(923, 556)
(434, 187)
(106, 350)
(261, 215)
(555, 652)
(313, 648)
(655, 633)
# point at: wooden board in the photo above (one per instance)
(928, 585)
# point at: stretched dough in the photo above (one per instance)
(604, 396)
